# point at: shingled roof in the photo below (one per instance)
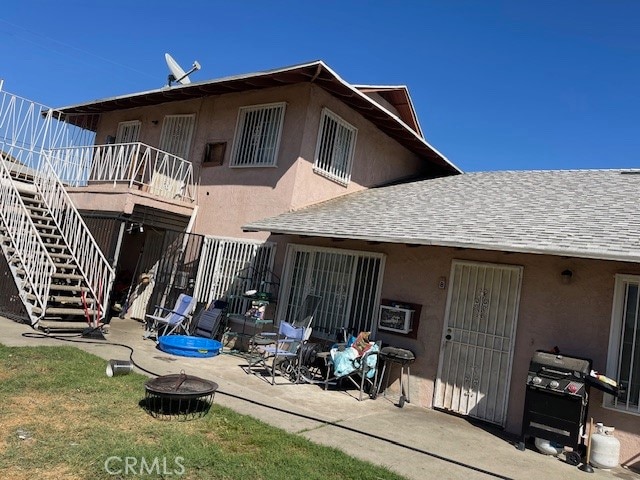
(579, 213)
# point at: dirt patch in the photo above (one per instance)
(58, 472)
(42, 409)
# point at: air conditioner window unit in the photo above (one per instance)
(395, 319)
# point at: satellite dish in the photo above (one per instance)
(177, 73)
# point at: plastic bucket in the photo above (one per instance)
(116, 368)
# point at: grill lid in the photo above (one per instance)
(542, 361)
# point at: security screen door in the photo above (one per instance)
(478, 340)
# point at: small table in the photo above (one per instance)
(403, 357)
(254, 322)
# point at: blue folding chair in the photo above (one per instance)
(283, 356)
(176, 320)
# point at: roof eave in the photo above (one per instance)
(314, 72)
(587, 254)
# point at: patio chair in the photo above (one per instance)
(304, 318)
(207, 322)
(283, 356)
(358, 364)
(176, 320)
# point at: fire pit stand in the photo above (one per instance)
(178, 397)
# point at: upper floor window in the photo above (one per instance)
(623, 363)
(128, 132)
(258, 135)
(334, 151)
(177, 131)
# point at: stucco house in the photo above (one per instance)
(298, 182)
(497, 265)
(165, 179)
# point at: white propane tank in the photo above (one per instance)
(605, 448)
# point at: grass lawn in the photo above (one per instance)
(61, 417)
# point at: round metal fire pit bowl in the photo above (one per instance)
(178, 397)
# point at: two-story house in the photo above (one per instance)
(296, 180)
(174, 173)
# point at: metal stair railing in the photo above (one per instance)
(135, 164)
(35, 261)
(91, 262)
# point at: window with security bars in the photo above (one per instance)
(624, 348)
(177, 131)
(348, 281)
(258, 135)
(335, 147)
(128, 132)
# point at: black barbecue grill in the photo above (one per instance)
(556, 401)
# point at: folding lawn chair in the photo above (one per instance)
(173, 321)
(283, 356)
(304, 318)
(361, 369)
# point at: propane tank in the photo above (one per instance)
(605, 448)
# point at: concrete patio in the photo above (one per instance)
(414, 442)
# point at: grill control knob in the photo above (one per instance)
(554, 384)
(536, 380)
(572, 388)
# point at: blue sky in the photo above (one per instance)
(497, 85)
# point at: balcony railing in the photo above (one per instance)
(134, 164)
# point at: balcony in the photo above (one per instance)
(133, 165)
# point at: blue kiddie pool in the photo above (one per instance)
(186, 346)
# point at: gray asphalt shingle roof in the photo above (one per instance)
(581, 213)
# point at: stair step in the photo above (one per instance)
(65, 267)
(69, 300)
(66, 311)
(48, 325)
(33, 207)
(61, 256)
(56, 248)
(67, 288)
(53, 236)
(57, 275)
(67, 276)
(44, 226)
(25, 188)
(31, 200)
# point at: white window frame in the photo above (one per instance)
(329, 161)
(615, 338)
(257, 149)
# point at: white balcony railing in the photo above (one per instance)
(134, 164)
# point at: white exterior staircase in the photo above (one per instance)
(62, 276)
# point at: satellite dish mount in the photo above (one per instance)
(177, 73)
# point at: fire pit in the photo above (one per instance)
(179, 397)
